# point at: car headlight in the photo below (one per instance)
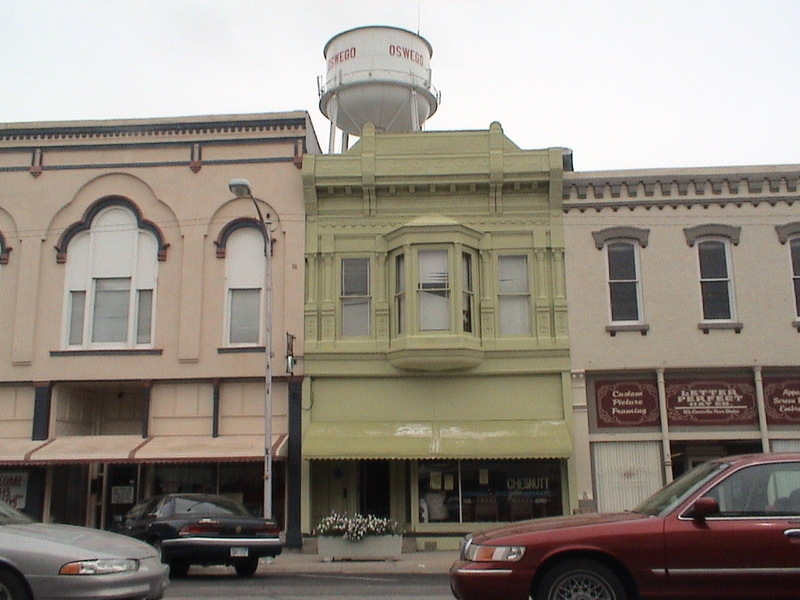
(477, 553)
(100, 566)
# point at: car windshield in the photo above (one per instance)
(667, 498)
(10, 516)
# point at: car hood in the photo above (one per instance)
(553, 523)
(95, 543)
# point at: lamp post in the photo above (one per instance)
(241, 189)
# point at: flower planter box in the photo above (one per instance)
(372, 547)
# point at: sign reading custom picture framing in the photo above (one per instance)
(711, 402)
(627, 404)
(782, 400)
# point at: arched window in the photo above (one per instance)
(794, 249)
(244, 282)
(110, 282)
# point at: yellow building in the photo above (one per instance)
(437, 388)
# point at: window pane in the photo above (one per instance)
(355, 316)
(244, 318)
(355, 276)
(111, 306)
(77, 308)
(433, 273)
(624, 304)
(434, 304)
(513, 275)
(144, 317)
(434, 311)
(797, 295)
(713, 262)
(794, 248)
(467, 295)
(400, 297)
(514, 315)
(716, 302)
(621, 262)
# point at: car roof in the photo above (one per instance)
(767, 457)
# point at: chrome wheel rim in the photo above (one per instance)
(582, 586)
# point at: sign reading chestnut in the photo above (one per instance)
(712, 402)
(627, 404)
(782, 400)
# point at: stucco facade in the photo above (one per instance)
(684, 300)
(436, 385)
(132, 357)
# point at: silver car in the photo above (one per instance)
(55, 562)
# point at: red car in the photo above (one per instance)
(730, 528)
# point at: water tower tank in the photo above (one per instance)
(379, 75)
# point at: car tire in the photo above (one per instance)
(12, 587)
(584, 579)
(179, 568)
(246, 567)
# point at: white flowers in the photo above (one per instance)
(356, 527)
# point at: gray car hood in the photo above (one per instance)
(95, 542)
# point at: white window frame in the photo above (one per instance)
(430, 293)
(355, 322)
(794, 265)
(120, 251)
(505, 298)
(244, 271)
(637, 281)
(728, 279)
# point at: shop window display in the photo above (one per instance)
(488, 491)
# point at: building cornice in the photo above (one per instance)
(152, 128)
(686, 187)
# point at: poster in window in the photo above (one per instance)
(14, 488)
(711, 402)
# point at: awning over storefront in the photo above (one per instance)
(15, 451)
(440, 439)
(87, 448)
(136, 449)
(199, 448)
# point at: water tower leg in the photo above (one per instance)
(333, 110)
(415, 126)
(345, 141)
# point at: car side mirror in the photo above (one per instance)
(702, 508)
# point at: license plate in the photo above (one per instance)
(237, 552)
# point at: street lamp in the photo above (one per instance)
(241, 189)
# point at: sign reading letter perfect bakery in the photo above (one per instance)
(627, 404)
(782, 400)
(711, 402)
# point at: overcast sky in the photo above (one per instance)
(624, 84)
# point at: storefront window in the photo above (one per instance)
(494, 490)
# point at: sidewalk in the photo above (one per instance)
(292, 562)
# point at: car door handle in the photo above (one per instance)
(792, 533)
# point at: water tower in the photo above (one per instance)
(379, 75)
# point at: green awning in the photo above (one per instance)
(437, 439)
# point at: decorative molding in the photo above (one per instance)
(86, 222)
(687, 188)
(787, 230)
(614, 233)
(235, 225)
(729, 231)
